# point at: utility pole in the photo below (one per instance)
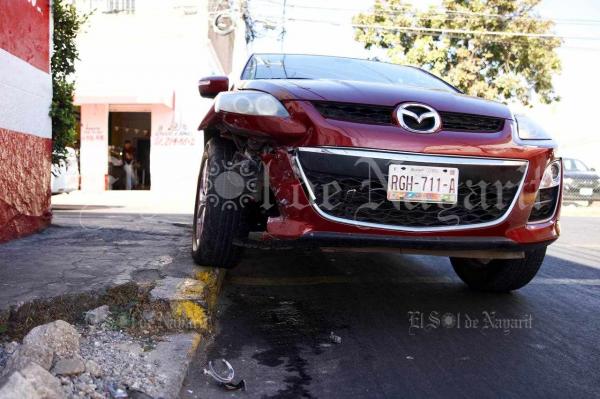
(283, 31)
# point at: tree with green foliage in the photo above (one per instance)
(67, 24)
(495, 49)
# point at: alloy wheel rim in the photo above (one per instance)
(201, 206)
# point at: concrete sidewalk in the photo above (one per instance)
(101, 249)
(86, 252)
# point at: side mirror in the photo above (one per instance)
(211, 86)
(593, 169)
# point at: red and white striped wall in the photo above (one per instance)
(25, 127)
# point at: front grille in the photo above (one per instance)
(357, 113)
(545, 204)
(470, 123)
(382, 115)
(353, 188)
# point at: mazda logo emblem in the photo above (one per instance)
(418, 118)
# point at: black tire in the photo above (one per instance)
(499, 275)
(219, 212)
(590, 203)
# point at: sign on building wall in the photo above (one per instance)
(175, 134)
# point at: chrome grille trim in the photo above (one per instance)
(413, 157)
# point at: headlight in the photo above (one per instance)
(250, 103)
(552, 175)
(528, 129)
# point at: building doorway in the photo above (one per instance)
(129, 150)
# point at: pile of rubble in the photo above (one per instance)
(58, 360)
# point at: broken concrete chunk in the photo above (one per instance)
(18, 387)
(98, 315)
(44, 383)
(71, 366)
(178, 289)
(30, 353)
(59, 336)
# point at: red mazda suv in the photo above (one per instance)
(350, 154)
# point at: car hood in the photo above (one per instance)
(375, 94)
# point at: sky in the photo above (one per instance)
(578, 84)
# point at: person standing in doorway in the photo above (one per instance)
(128, 162)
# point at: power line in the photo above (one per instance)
(451, 31)
(440, 12)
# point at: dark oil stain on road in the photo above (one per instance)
(288, 327)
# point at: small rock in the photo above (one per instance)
(93, 368)
(72, 366)
(86, 378)
(97, 315)
(44, 383)
(130, 347)
(30, 353)
(59, 336)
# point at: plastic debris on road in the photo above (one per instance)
(225, 375)
(336, 339)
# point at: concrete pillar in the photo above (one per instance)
(94, 147)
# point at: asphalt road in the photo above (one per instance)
(408, 327)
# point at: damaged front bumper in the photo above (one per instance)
(479, 232)
(469, 247)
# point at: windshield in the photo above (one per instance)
(575, 165)
(293, 66)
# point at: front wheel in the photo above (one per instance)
(219, 213)
(499, 275)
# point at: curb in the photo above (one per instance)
(173, 357)
(188, 304)
(191, 300)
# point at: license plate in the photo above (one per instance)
(586, 191)
(416, 183)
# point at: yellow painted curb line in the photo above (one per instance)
(194, 300)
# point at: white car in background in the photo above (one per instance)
(65, 177)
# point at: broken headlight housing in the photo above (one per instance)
(250, 102)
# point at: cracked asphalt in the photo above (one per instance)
(83, 252)
(408, 327)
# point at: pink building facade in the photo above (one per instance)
(136, 82)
